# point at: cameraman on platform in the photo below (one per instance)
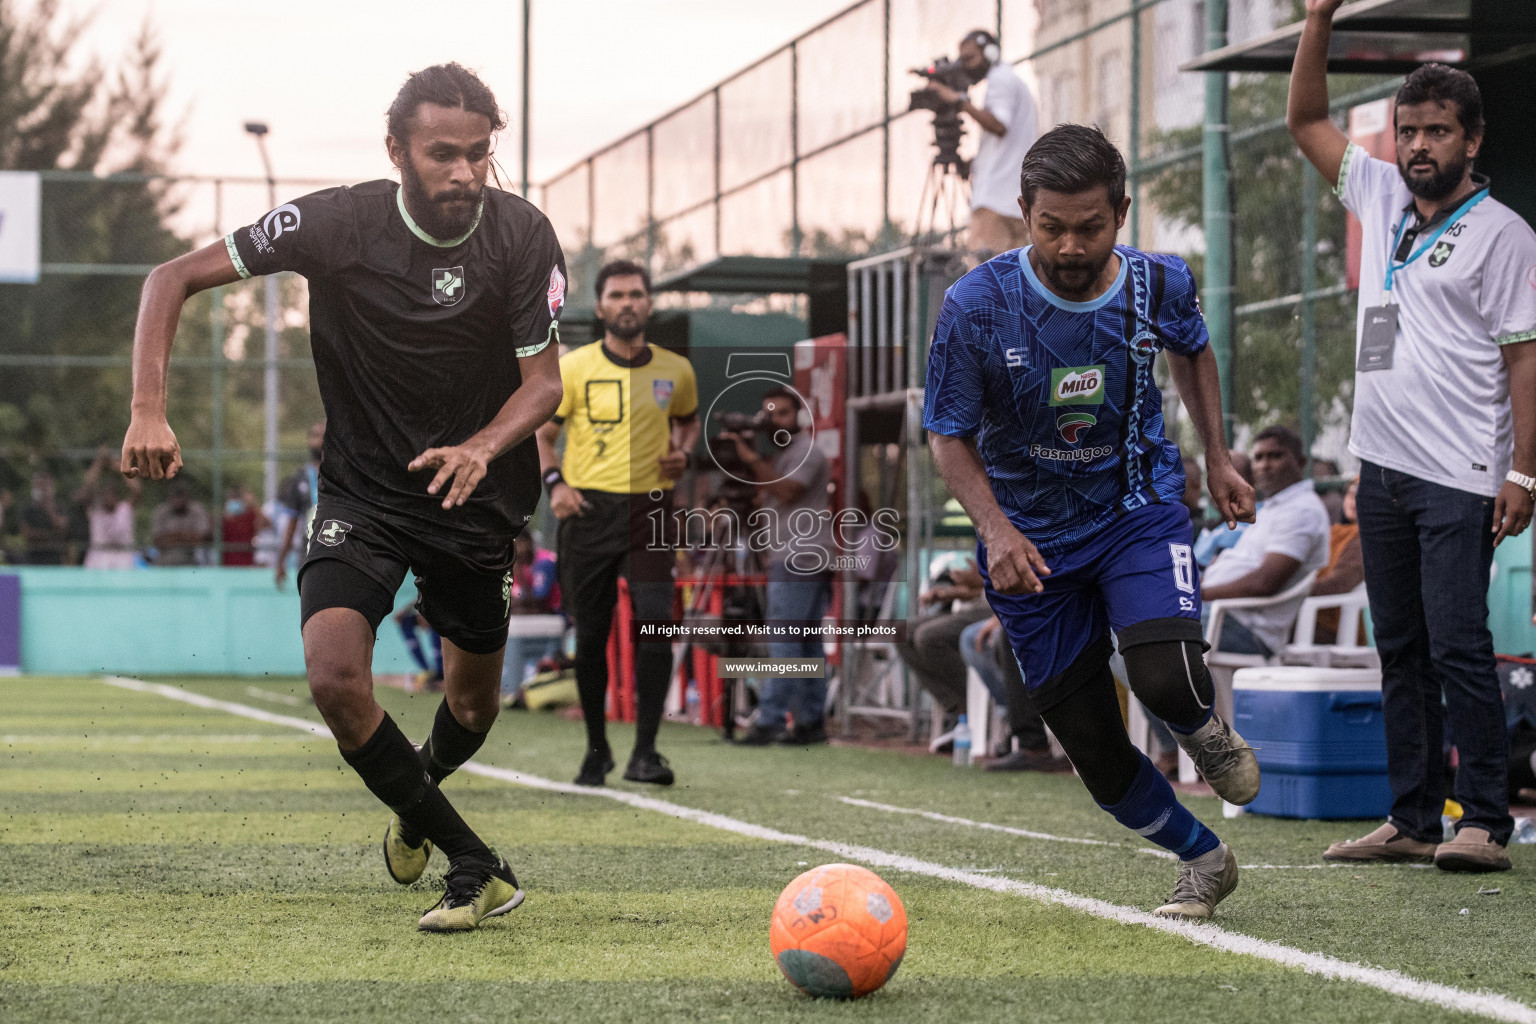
(1008, 123)
(793, 483)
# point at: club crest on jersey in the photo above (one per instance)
(556, 290)
(1073, 425)
(1441, 252)
(1077, 385)
(448, 285)
(332, 532)
(661, 390)
(1143, 346)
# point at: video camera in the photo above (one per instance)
(743, 424)
(941, 71)
(947, 127)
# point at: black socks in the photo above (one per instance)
(390, 768)
(653, 677)
(592, 687)
(449, 745)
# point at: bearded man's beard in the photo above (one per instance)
(1436, 185)
(446, 214)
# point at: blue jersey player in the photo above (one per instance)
(1046, 423)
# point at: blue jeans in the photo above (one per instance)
(793, 597)
(1427, 550)
(1236, 638)
(984, 662)
(519, 652)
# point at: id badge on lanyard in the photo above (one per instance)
(1378, 335)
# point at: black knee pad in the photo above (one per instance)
(1170, 678)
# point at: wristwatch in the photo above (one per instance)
(553, 476)
(1521, 480)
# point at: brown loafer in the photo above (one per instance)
(1386, 845)
(1473, 849)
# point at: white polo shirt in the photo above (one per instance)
(1441, 413)
(999, 158)
(1293, 523)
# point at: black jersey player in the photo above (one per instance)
(434, 309)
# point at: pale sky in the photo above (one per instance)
(322, 72)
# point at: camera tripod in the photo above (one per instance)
(724, 592)
(947, 184)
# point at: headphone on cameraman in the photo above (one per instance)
(988, 43)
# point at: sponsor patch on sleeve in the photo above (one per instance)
(556, 290)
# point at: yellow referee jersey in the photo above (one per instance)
(618, 418)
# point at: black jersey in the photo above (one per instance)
(416, 340)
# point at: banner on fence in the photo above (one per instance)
(20, 205)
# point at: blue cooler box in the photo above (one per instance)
(1321, 744)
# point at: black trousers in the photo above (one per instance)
(1427, 550)
(625, 535)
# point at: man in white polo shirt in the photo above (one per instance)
(1288, 539)
(1445, 427)
(1008, 125)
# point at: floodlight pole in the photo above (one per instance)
(527, 50)
(269, 363)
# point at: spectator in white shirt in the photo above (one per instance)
(1009, 125)
(1288, 539)
(110, 513)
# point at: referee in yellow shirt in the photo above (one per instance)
(630, 414)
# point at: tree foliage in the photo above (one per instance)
(61, 112)
(1268, 191)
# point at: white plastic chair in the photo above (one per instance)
(1304, 650)
(1223, 664)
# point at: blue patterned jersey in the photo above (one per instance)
(1060, 395)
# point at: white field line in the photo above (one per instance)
(1485, 1004)
(273, 697)
(989, 826)
(108, 738)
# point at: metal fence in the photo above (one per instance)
(812, 151)
(66, 343)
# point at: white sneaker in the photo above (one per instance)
(1223, 760)
(1203, 883)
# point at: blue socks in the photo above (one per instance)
(1209, 714)
(1150, 809)
(413, 645)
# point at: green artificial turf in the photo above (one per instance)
(162, 862)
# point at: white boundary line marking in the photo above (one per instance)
(107, 739)
(989, 826)
(949, 819)
(1485, 1004)
(273, 697)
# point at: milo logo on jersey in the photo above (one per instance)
(1077, 385)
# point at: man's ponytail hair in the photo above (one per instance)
(446, 85)
(1438, 83)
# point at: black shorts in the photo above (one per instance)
(357, 558)
(629, 535)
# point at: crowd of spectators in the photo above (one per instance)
(103, 523)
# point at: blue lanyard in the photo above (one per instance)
(1393, 266)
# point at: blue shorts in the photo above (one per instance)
(1137, 576)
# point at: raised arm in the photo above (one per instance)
(1199, 388)
(1306, 113)
(150, 448)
